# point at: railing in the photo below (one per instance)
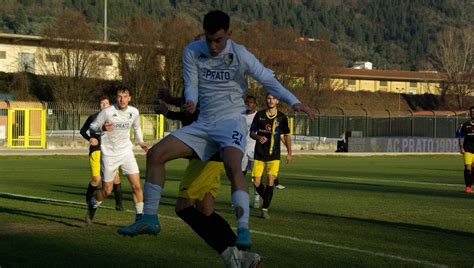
(67, 122)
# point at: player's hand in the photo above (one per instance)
(462, 151)
(262, 139)
(93, 141)
(300, 107)
(189, 106)
(108, 126)
(144, 147)
(288, 158)
(161, 109)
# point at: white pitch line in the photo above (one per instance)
(306, 241)
(371, 180)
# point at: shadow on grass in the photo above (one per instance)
(43, 216)
(399, 225)
(369, 187)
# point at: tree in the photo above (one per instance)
(175, 34)
(322, 60)
(453, 55)
(140, 59)
(68, 58)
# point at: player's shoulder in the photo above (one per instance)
(196, 47)
(281, 114)
(109, 110)
(133, 110)
(467, 123)
(261, 112)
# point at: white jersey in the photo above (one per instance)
(117, 141)
(218, 83)
(250, 145)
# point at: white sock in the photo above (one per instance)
(139, 208)
(241, 199)
(152, 196)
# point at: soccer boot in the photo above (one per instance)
(90, 214)
(280, 187)
(264, 214)
(243, 239)
(468, 189)
(250, 259)
(148, 224)
(232, 257)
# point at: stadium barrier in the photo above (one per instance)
(65, 119)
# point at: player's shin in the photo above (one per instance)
(118, 196)
(152, 196)
(267, 199)
(90, 193)
(213, 229)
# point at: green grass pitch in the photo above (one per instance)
(336, 211)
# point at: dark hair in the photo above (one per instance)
(104, 98)
(216, 20)
(123, 88)
(471, 108)
(250, 97)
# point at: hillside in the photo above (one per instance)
(391, 34)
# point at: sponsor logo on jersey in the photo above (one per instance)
(202, 56)
(229, 58)
(122, 125)
(216, 75)
(268, 127)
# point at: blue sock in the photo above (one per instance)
(151, 199)
(240, 200)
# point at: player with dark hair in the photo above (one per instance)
(198, 189)
(267, 127)
(214, 73)
(94, 158)
(115, 123)
(466, 146)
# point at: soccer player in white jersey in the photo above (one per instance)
(214, 74)
(247, 160)
(115, 123)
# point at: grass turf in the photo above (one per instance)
(336, 211)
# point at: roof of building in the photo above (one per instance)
(388, 75)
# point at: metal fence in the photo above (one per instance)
(400, 126)
(64, 121)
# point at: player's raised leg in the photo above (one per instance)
(167, 149)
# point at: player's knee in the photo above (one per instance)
(136, 188)
(155, 156)
(107, 191)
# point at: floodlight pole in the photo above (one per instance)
(105, 20)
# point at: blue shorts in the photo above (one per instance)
(206, 138)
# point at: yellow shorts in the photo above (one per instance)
(468, 158)
(94, 162)
(201, 178)
(270, 167)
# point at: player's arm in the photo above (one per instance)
(99, 123)
(461, 139)
(164, 94)
(253, 132)
(191, 80)
(85, 128)
(286, 138)
(138, 132)
(265, 76)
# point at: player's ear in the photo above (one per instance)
(229, 33)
